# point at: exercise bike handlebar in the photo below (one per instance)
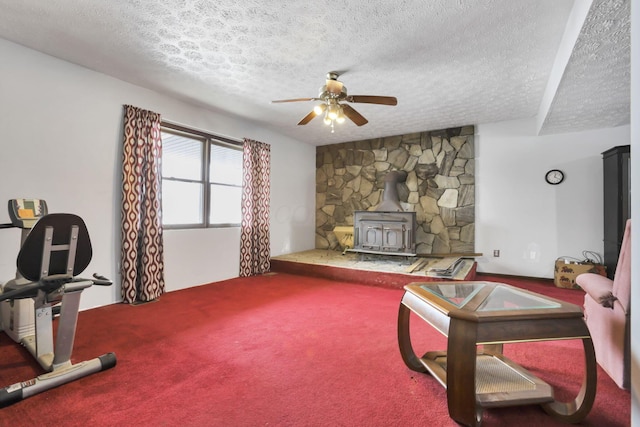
(101, 280)
(46, 285)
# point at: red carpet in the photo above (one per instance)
(276, 350)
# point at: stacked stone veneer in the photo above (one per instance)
(440, 186)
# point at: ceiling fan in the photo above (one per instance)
(332, 95)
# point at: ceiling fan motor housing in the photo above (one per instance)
(327, 93)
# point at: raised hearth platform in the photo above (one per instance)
(378, 270)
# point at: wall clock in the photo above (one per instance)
(554, 176)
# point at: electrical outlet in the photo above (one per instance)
(496, 253)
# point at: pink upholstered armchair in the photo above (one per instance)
(606, 311)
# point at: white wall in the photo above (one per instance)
(60, 133)
(531, 222)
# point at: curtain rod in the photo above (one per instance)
(188, 129)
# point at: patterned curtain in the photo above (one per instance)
(142, 263)
(255, 251)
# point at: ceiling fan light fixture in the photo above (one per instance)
(327, 120)
(333, 110)
(319, 109)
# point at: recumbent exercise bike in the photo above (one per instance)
(55, 248)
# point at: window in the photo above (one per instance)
(201, 179)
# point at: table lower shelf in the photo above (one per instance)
(499, 381)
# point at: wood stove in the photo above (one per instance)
(388, 233)
(388, 230)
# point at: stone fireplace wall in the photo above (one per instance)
(440, 186)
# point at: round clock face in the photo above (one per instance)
(554, 176)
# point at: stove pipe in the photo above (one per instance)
(390, 200)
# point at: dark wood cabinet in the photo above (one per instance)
(617, 202)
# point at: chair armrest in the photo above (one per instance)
(597, 287)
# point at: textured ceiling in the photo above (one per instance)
(449, 62)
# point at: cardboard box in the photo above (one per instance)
(566, 272)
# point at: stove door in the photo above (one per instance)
(370, 233)
(393, 237)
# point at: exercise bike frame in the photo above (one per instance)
(55, 284)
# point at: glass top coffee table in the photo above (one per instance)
(486, 314)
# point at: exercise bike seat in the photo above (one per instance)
(52, 236)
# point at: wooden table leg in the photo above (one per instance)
(404, 341)
(576, 410)
(461, 373)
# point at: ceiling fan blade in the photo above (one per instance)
(355, 117)
(306, 119)
(294, 100)
(319, 109)
(368, 99)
